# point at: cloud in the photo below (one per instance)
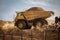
(37, 2)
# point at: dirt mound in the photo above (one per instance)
(36, 9)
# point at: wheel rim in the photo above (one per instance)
(20, 25)
(38, 24)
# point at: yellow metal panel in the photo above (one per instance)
(19, 17)
(36, 14)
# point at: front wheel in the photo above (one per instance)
(21, 24)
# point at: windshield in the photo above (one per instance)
(19, 14)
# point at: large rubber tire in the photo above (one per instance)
(22, 24)
(39, 22)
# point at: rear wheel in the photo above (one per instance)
(39, 22)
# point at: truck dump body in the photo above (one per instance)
(34, 13)
(30, 15)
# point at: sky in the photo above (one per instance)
(8, 8)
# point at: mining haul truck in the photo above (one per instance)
(34, 16)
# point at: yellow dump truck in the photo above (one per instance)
(34, 16)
